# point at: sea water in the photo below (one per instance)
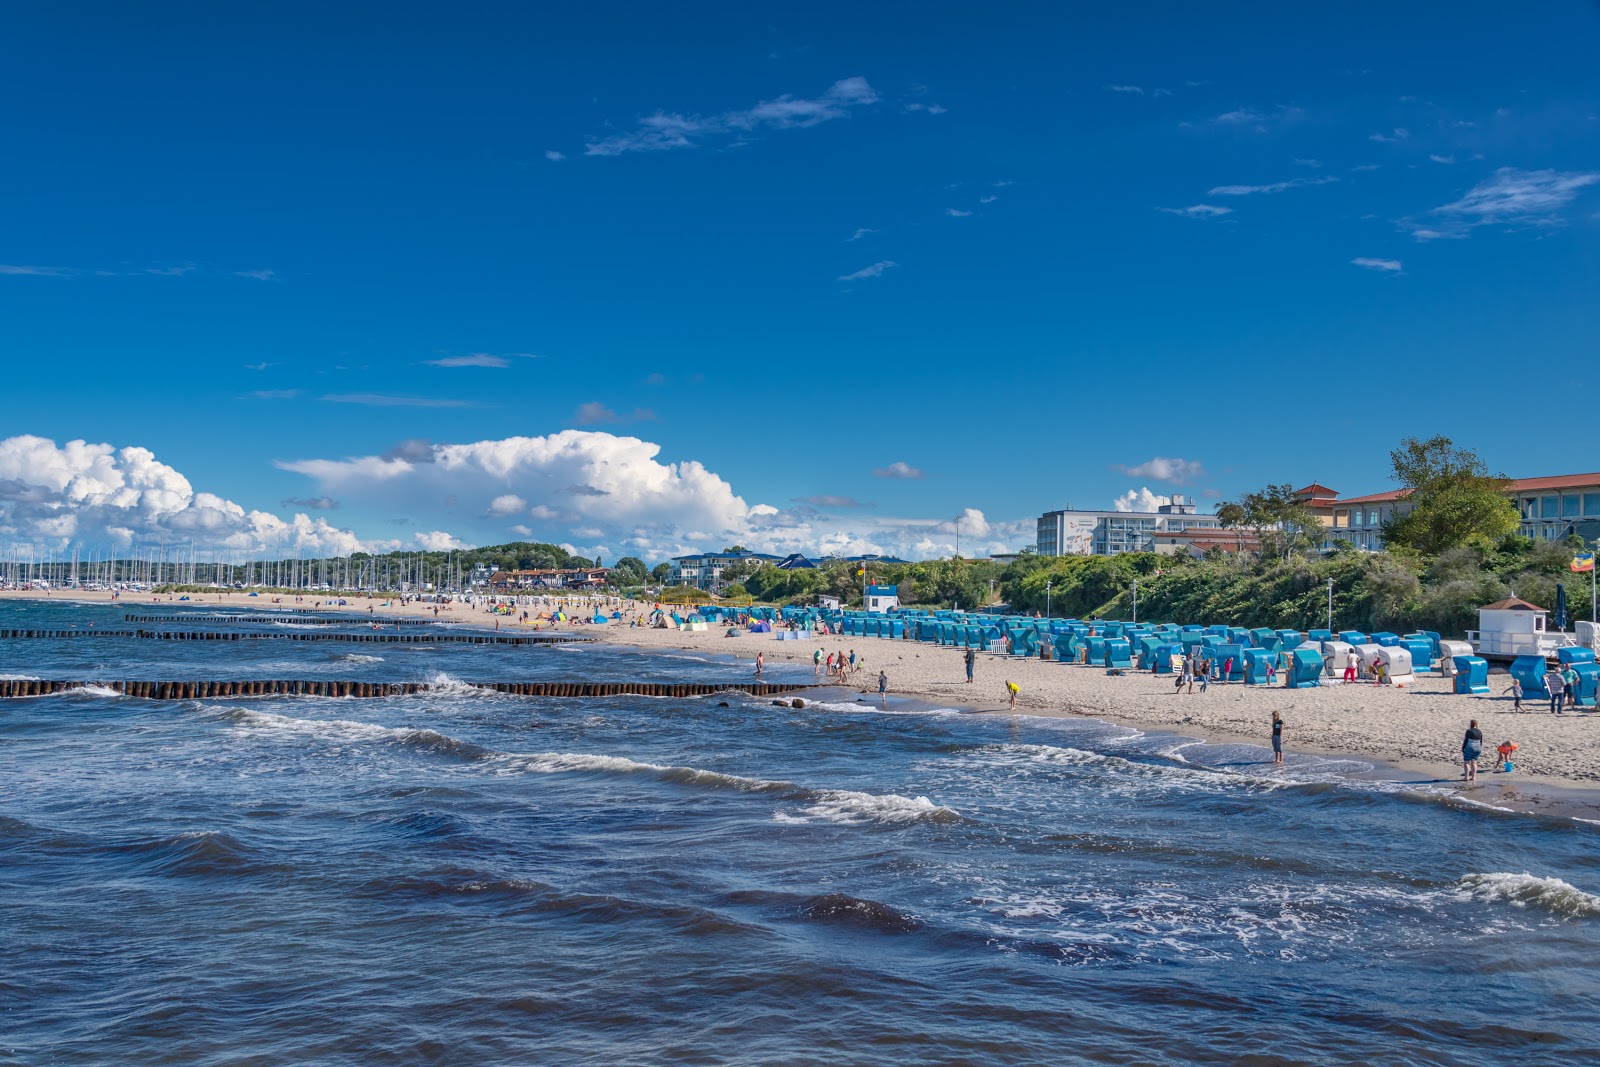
(461, 877)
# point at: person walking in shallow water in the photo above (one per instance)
(1277, 738)
(761, 661)
(1471, 749)
(883, 688)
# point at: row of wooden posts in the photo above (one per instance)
(298, 620)
(246, 635)
(206, 690)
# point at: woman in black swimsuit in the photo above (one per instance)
(1471, 749)
(1277, 738)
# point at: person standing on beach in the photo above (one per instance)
(1556, 686)
(1187, 678)
(1570, 678)
(816, 664)
(1277, 738)
(972, 660)
(761, 662)
(1349, 667)
(883, 689)
(1471, 749)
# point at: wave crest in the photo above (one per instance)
(1524, 890)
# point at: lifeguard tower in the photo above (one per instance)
(882, 598)
(1513, 627)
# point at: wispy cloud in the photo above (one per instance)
(316, 503)
(38, 272)
(1164, 469)
(1441, 159)
(386, 400)
(826, 501)
(1383, 266)
(926, 109)
(475, 359)
(594, 413)
(1249, 118)
(1272, 187)
(258, 275)
(987, 199)
(874, 271)
(1306, 162)
(1400, 134)
(170, 272)
(1510, 197)
(259, 366)
(668, 130)
(1198, 211)
(956, 213)
(272, 394)
(859, 234)
(1132, 90)
(655, 378)
(897, 469)
(1360, 168)
(555, 157)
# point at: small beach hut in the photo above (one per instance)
(1256, 661)
(1448, 651)
(1305, 669)
(1118, 654)
(1471, 675)
(1529, 672)
(1337, 655)
(1396, 661)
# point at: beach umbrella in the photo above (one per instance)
(1561, 606)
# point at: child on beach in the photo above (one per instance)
(1277, 738)
(1515, 689)
(1012, 688)
(1504, 751)
(816, 664)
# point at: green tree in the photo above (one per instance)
(629, 570)
(1454, 498)
(1279, 521)
(661, 572)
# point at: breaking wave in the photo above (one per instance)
(1529, 890)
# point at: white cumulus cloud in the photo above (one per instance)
(100, 495)
(1164, 469)
(1141, 499)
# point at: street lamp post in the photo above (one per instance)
(1136, 601)
(1047, 598)
(1330, 605)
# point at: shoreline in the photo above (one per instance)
(1408, 735)
(1518, 793)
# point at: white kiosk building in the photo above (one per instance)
(882, 598)
(1513, 627)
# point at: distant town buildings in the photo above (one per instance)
(570, 578)
(706, 570)
(1552, 507)
(1111, 533)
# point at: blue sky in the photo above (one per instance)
(639, 279)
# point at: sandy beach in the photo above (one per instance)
(1417, 728)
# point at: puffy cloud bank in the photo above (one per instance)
(615, 496)
(100, 496)
(598, 493)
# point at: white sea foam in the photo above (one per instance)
(359, 657)
(849, 808)
(559, 762)
(99, 691)
(448, 683)
(19, 677)
(1524, 890)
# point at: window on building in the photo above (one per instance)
(1570, 508)
(1591, 503)
(1550, 507)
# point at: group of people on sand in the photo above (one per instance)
(1472, 751)
(1559, 686)
(839, 666)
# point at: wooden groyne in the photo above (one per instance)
(210, 690)
(246, 635)
(183, 618)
